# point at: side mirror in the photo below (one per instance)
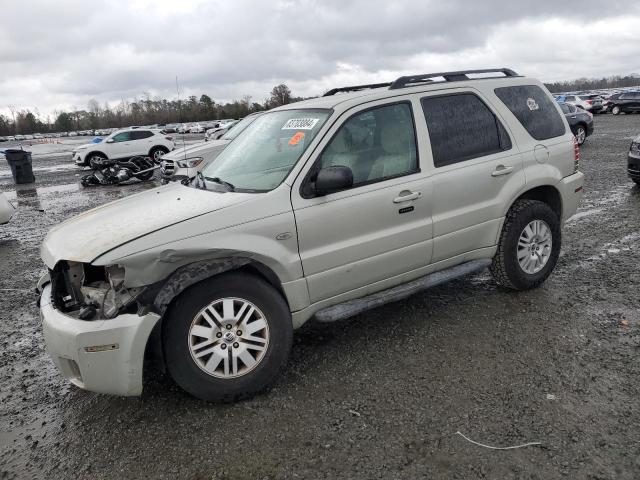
(110, 140)
(333, 179)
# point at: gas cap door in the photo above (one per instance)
(541, 153)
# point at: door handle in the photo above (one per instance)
(502, 170)
(407, 196)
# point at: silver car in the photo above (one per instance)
(183, 164)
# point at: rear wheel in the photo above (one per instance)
(227, 338)
(529, 245)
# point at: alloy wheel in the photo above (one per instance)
(534, 246)
(228, 338)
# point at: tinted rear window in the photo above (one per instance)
(140, 134)
(533, 109)
(462, 127)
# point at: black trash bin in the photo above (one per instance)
(20, 163)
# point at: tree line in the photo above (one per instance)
(150, 111)
(615, 81)
(140, 111)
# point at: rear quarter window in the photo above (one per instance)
(533, 109)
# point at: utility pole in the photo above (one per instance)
(12, 109)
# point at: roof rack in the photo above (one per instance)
(355, 88)
(403, 82)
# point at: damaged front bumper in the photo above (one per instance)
(103, 355)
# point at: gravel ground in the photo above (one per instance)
(380, 395)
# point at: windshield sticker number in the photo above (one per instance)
(300, 124)
(296, 138)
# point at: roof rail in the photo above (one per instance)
(403, 82)
(355, 88)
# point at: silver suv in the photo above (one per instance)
(322, 208)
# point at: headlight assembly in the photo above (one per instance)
(190, 162)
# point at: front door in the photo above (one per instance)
(120, 147)
(381, 227)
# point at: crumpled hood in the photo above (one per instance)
(204, 149)
(87, 236)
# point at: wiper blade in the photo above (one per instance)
(200, 177)
(221, 182)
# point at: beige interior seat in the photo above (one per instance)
(398, 152)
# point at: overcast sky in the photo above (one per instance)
(59, 54)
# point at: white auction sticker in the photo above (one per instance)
(300, 124)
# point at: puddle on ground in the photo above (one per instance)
(49, 168)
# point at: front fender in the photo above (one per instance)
(191, 274)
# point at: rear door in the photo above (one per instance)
(381, 227)
(477, 169)
(141, 142)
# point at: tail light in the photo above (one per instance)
(590, 102)
(576, 155)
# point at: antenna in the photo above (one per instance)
(184, 151)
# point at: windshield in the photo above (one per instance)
(262, 157)
(238, 127)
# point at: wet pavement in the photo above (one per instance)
(380, 395)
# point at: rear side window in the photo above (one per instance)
(462, 127)
(533, 109)
(140, 134)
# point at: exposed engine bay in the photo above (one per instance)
(89, 292)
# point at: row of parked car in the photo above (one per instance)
(615, 103)
(38, 136)
(198, 127)
(214, 130)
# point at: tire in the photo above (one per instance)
(506, 267)
(616, 110)
(98, 157)
(581, 134)
(156, 153)
(192, 365)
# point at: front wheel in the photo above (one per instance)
(157, 153)
(616, 110)
(228, 337)
(529, 245)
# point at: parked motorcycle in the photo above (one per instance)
(114, 172)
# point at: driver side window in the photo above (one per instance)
(376, 144)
